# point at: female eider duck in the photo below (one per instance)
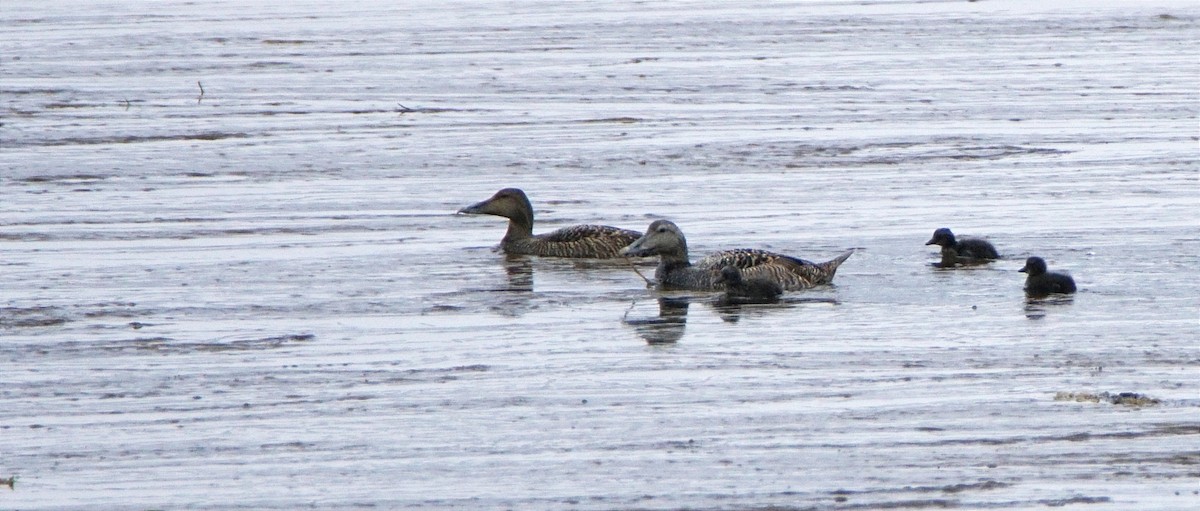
(675, 270)
(739, 290)
(584, 241)
(1041, 282)
(962, 251)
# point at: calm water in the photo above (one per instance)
(258, 296)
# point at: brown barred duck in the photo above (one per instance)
(675, 270)
(583, 241)
(1041, 283)
(739, 290)
(962, 251)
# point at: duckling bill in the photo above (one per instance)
(580, 241)
(961, 251)
(675, 270)
(1041, 282)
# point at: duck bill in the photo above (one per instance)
(1024, 269)
(931, 242)
(636, 249)
(479, 208)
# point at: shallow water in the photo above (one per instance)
(258, 297)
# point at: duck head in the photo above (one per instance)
(662, 238)
(510, 203)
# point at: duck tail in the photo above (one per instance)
(830, 267)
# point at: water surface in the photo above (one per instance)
(257, 296)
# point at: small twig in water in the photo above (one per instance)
(201, 92)
(404, 109)
(635, 270)
(127, 103)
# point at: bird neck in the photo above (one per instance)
(520, 226)
(674, 271)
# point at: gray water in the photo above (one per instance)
(256, 295)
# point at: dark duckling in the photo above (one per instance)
(1041, 282)
(962, 251)
(584, 241)
(740, 290)
(675, 270)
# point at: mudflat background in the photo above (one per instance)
(231, 277)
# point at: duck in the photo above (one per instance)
(739, 290)
(578, 241)
(675, 270)
(1041, 282)
(962, 251)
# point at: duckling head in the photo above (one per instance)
(730, 276)
(942, 237)
(1034, 266)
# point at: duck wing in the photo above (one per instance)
(794, 273)
(583, 232)
(744, 258)
(589, 241)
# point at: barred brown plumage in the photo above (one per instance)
(664, 239)
(580, 241)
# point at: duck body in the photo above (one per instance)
(664, 239)
(579, 241)
(1041, 282)
(740, 290)
(961, 251)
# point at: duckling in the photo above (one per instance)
(962, 251)
(1041, 282)
(739, 290)
(583, 241)
(664, 239)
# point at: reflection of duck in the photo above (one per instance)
(667, 327)
(665, 240)
(519, 272)
(513, 296)
(731, 310)
(754, 290)
(962, 251)
(1041, 282)
(594, 241)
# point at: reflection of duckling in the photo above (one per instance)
(752, 290)
(1041, 282)
(962, 251)
(591, 241)
(675, 270)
